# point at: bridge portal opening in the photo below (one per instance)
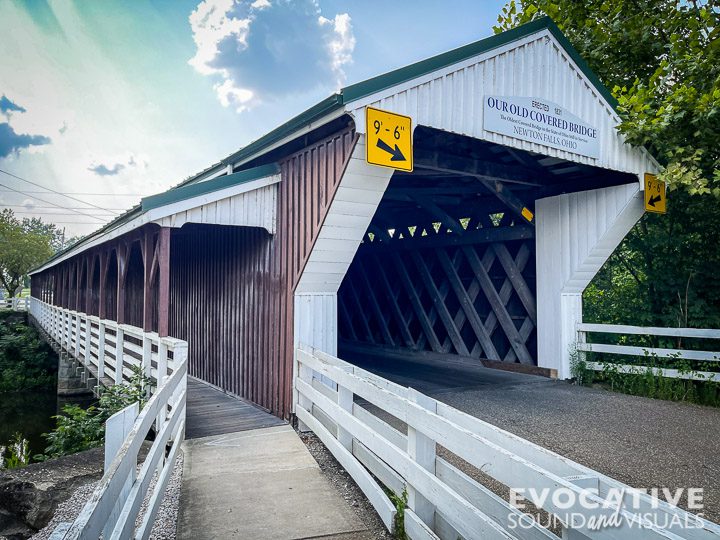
(446, 271)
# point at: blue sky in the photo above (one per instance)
(114, 100)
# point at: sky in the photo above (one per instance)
(110, 101)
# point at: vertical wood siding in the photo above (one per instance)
(232, 288)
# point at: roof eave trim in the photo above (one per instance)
(152, 208)
(221, 182)
(314, 113)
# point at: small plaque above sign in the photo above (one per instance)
(542, 122)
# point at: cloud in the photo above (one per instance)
(267, 49)
(12, 143)
(7, 106)
(115, 166)
(105, 170)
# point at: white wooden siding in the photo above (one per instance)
(248, 209)
(356, 199)
(576, 233)
(452, 99)
(256, 208)
(358, 196)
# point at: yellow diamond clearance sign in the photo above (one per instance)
(389, 139)
(655, 199)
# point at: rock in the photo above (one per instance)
(12, 528)
(30, 495)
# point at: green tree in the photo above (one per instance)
(23, 245)
(661, 60)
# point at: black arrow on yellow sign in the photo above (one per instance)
(396, 154)
(654, 199)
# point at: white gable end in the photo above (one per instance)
(536, 66)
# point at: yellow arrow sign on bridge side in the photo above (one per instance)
(389, 139)
(655, 197)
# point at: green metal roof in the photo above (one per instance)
(181, 193)
(347, 95)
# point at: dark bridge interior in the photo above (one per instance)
(447, 267)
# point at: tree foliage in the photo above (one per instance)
(23, 245)
(661, 60)
(26, 361)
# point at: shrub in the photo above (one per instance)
(80, 429)
(26, 361)
(18, 453)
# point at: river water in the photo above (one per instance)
(31, 415)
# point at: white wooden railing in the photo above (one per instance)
(632, 350)
(15, 303)
(443, 501)
(109, 351)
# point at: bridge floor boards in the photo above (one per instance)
(212, 412)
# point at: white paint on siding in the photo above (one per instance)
(256, 208)
(356, 199)
(451, 99)
(358, 196)
(576, 233)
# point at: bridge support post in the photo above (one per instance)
(576, 234)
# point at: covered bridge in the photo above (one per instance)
(521, 189)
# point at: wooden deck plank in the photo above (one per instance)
(212, 412)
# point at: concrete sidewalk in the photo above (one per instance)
(260, 484)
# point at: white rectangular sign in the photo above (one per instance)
(542, 122)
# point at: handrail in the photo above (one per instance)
(442, 500)
(706, 333)
(583, 345)
(69, 329)
(102, 347)
(15, 303)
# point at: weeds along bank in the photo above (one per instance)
(31, 426)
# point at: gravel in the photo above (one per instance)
(346, 487)
(165, 520)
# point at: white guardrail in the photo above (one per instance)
(109, 351)
(630, 350)
(16, 304)
(445, 502)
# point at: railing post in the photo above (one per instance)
(180, 355)
(345, 401)
(119, 353)
(68, 330)
(88, 341)
(162, 373)
(581, 335)
(101, 351)
(421, 448)
(591, 483)
(77, 335)
(304, 374)
(146, 363)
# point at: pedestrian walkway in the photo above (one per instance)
(248, 475)
(213, 412)
(260, 484)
